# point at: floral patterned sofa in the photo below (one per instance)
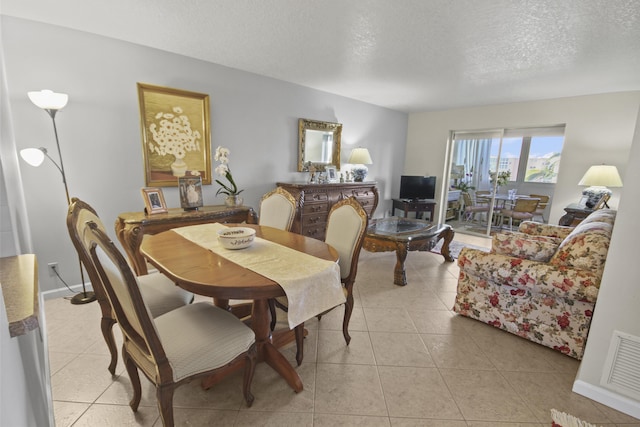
(540, 283)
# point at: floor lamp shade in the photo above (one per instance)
(48, 100)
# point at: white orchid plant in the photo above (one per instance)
(230, 189)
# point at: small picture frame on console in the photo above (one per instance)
(332, 174)
(190, 192)
(153, 200)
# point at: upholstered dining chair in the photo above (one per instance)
(160, 294)
(277, 209)
(524, 209)
(346, 228)
(472, 208)
(542, 205)
(190, 342)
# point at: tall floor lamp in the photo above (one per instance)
(51, 102)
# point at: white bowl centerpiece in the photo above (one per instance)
(236, 237)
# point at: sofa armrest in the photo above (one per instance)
(526, 246)
(550, 230)
(533, 276)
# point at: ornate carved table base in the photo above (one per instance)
(403, 235)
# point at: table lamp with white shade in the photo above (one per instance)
(359, 157)
(598, 178)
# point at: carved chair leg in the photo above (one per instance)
(299, 333)
(132, 370)
(164, 394)
(272, 311)
(106, 324)
(348, 309)
(249, 370)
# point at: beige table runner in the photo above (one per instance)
(312, 285)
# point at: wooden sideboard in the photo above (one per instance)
(132, 226)
(314, 201)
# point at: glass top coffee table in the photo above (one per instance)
(403, 235)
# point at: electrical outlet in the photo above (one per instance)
(53, 267)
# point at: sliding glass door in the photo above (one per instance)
(470, 175)
(494, 162)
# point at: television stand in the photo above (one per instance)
(418, 206)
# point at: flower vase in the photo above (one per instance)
(233, 201)
(179, 168)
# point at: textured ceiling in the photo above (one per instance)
(409, 55)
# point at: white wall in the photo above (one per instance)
(599, 129)
(619, 299)
(255, 116)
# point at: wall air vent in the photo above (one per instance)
(622, 368)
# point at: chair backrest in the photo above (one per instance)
(544, 200)
(277, 209)
(346, 227)
(526, 204)
(78, 214)
(121, 286)
(466, 198)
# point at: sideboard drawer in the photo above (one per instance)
(310, 197)
(367, 203)
(317, 232)
(314, 219)
(315, 208)
(363, 193)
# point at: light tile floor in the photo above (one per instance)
(411, 362)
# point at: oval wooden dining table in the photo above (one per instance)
(203, 272)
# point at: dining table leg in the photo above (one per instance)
(267, 351)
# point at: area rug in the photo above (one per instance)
(561, 419)
(455, 248)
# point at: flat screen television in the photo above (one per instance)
(417, 187)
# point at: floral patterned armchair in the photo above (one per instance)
(540, 283)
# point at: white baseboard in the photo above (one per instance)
(64, 292)
(606, 397)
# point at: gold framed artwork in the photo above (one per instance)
(176, 135)
(153, 200)
(190, 192)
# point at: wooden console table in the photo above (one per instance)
(132, 226)
(417, 206)
(314, 201)
(574, 215)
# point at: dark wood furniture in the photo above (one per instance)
(132, 226)
(314, 201)
(403, 235)
(417, 206)
(574, 215)
(202, 271)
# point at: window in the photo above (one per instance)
(531, 156)
(543, 159)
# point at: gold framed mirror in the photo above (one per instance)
(318, 144)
